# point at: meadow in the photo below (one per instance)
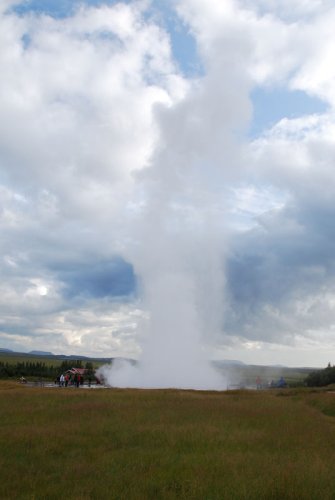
(165, 444)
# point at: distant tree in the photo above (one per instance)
(65, 366)
(320, 378)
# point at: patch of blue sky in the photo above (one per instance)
(184, 50)
(58, 8)
(271, 106)
(183, 43)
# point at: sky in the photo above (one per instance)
(167, 167)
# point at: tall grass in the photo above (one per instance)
(164, 444)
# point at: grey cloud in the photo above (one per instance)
(97, 278)
(273, 269)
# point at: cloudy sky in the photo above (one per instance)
(159, 156)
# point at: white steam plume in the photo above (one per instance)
(177, 248)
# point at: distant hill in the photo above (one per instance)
(41, 353)
(81, 358)
(5, 350)
(228, 362)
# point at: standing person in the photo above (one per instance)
(67, 380)
(77, 379)
(281, 382)
(62, 380)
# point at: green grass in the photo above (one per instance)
(165, 444)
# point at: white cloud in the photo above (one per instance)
(77, 99)
(80, 97)
(105, 149)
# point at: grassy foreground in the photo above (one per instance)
(164, 444)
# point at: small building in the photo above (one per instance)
(79, 371)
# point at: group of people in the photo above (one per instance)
(280, 383)
(71, 379)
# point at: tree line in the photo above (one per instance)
(40, 369)
(320, 378)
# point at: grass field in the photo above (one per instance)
(164, 444)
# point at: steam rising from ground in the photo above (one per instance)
(172, 352)
(175, 239)
(181, 283)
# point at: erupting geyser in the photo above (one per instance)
(182, 297)
(175, 244)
